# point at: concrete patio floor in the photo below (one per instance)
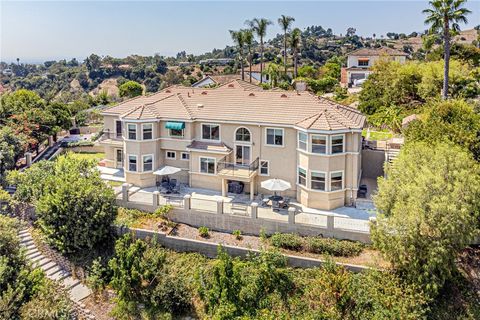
(111, 174)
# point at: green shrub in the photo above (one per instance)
(163, 211)
(203, 232)
(334, 247)
(237, 234)
(286, 241)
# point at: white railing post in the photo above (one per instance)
(187, 202)
(254, 207)
(291, 215)
(155, 200)
(219, 206)
(330, 222)
(125, 188)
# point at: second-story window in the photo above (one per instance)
(242, 135)
(132, 131)
(363, 62)
(302, 141)
(176, 133)
(147, 129)
(132, 163)
(337, 144)
(275, 137)
(302, 176)
(319, 144)
(207, 165)
(118, 128)
(210, 132)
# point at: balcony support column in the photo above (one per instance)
(252, 189)
(224, 187)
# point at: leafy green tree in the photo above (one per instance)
(450, 121)
(259, 26)
(307, 71)
(93, 62)
(130, 89)
(239, 41)
(12, 147)
(62, 114)
(248, 39)
(428, 208)
(18, 102)
(273, 70)
(285, 22)
(295, 41)
(444, 17)
(64, 193)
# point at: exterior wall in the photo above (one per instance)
(352, 61)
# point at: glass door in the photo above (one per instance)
(242, 155)
(119, 158)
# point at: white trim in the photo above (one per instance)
(210, 124)
(310, 178)
(174, 153)
(143, 162)
(274, 145)
(306, 142)
(310, 150)
(128, 162)
(128, 132)
(330, 180)
(331, 144)
(208, 151)
(327, 132)
(181, 156)
(260, 168)
(139, 121)
(214, 166)
(242, 142)
(142, 126)
(328, 155)
(235, 152)
(320, 191)
(174, 139)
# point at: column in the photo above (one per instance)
(220, 206)
(224, 188)
(125, 188)
(291, 215)
(252, 189)
(50, 141)
(28, 159)
(187, 204)
(254, 207)
(330, 222)
(155, 199)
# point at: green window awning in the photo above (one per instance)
(175, 125)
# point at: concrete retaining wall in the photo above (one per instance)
(209, 249)
(90, 149)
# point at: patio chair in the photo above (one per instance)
(285, 203)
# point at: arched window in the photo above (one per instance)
(242, 135)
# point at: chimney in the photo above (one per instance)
(300, 86)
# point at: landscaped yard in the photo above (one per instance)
(378, 135)
(96, 156)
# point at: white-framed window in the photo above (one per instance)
(185, 156)
(302, 141)
(363, 62)
(132, 131)
(118, 128)
(302, 176)
(132, 162)
(318, 180)
(210, 131)
(264, 167)
(337, 143)
(274, 136)
(147, 131)
(147, 161)
(319, 144)
(336, 180)
(176, 133)
(172, 155)
(242, 135)
(207, 165)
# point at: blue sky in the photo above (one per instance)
(39, 30)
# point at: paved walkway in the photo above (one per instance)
(53, 271)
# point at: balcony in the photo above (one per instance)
(233, 170)
(110, 138)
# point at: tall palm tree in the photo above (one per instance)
(295, 40)
(285, 22)
(259, 26)
(444, 17)
(238, 39)
(248, 39)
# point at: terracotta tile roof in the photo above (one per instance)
(240, 101)
(209, 146)
(377, 52)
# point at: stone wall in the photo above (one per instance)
(210, 249)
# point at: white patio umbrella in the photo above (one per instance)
(166, 170)
(276, 185)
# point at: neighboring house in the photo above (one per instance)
(256, 74)
(217, 80)
(7, 72)
(360, 62)
(239, 132)
(216, 62)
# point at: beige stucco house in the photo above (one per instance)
(239, 132)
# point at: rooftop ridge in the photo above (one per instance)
(184, 104)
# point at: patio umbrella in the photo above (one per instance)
(166, 170)
(276, 185)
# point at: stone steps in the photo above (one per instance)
(52, 270)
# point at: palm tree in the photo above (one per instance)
(444, 17)
(273, 70)
(295, 39)
(248, 39)
(259, 26)
(285, 23)
(238, 39)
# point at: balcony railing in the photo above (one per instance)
(107, 135)
(237, 170)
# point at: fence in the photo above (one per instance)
(217, 214)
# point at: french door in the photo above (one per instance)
(242, 155)
(119, 158)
